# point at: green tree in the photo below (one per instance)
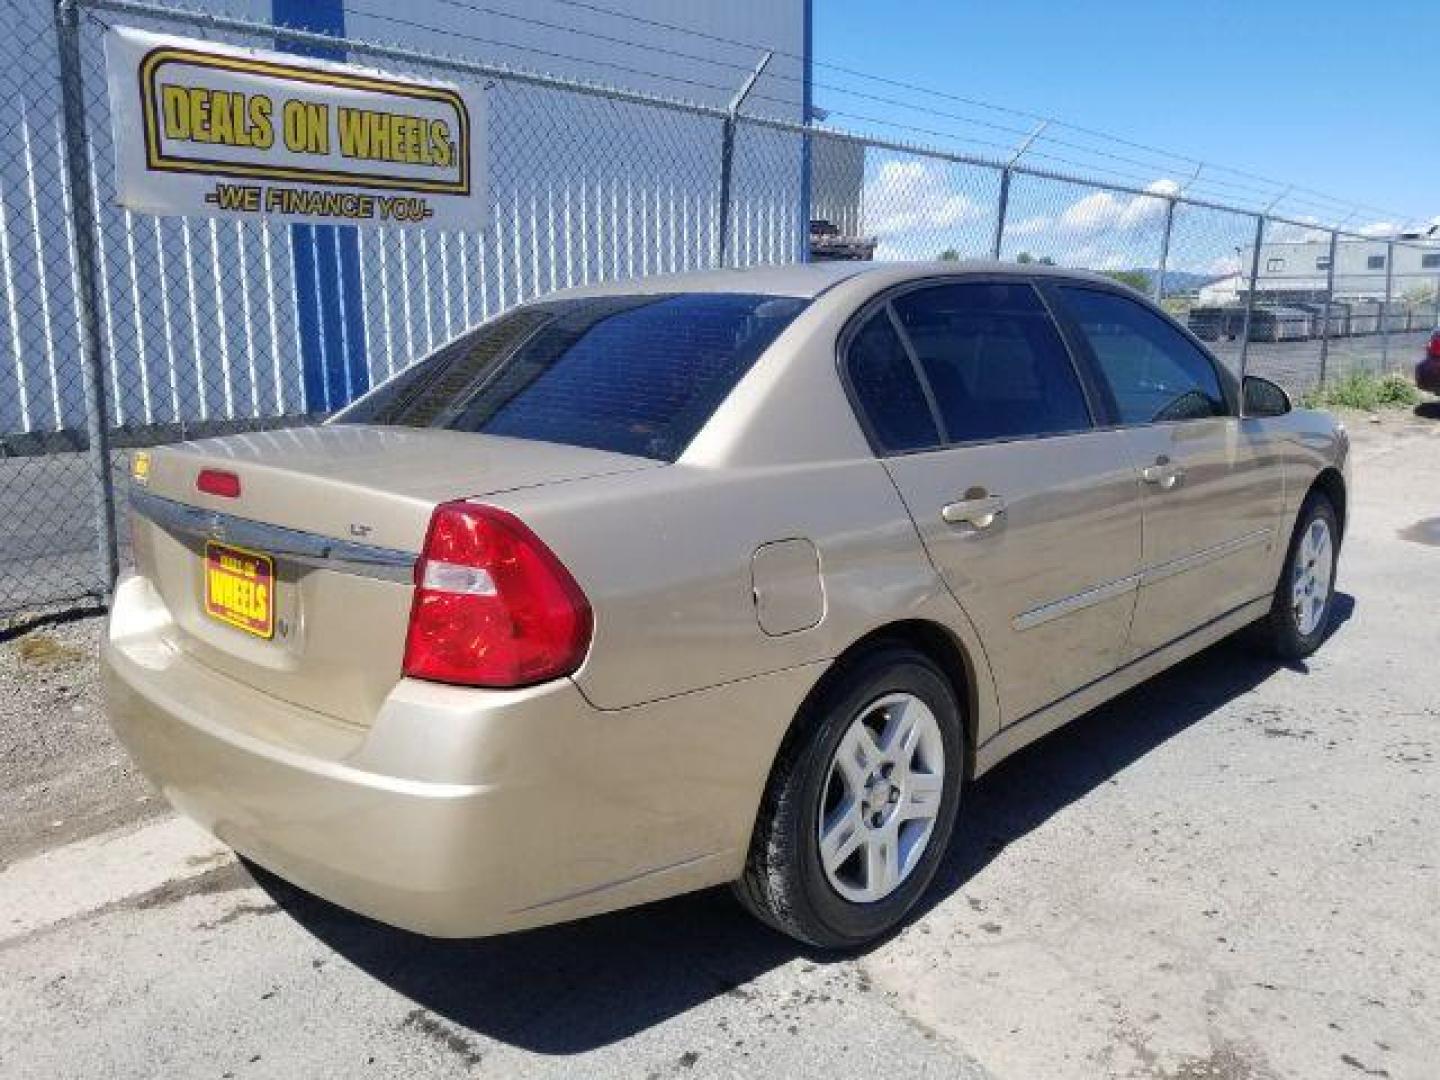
(1024, 257)
(1136, 279)
(949, 255)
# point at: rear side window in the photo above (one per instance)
(995, 362)
(1155, 373)
(630, 374)
(887, 389)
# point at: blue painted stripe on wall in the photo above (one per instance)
(325, 258)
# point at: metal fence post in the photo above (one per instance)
(727, 156)
(1385, 307)
(1329, 300)
(1159, 287)
(75, 175)
(1250, 295)
(1000, 208)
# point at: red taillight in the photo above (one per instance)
(493, 605)
(1433, 349)
(218, 482)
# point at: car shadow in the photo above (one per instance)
(578, 986)
(1428, 410)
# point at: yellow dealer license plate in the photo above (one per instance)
(240, 588)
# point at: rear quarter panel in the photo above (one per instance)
(665, 558)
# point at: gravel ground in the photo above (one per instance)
(62, 776)
(1230, 873)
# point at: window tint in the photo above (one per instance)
(994, 361)
(1154, 371)
(632, 374)
(887, 389)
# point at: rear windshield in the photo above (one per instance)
(631, 374)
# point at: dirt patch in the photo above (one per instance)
(62, 775)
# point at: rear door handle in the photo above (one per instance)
(980, 512)
(1162, 474)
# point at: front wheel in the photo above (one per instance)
(1305, 595)
(860, 804)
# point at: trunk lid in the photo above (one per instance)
(300, 586)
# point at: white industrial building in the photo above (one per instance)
(1300, 270)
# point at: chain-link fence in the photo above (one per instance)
(120, 330)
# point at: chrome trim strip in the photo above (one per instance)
(308, 549)
(1196, 559)
(1056, 609)
(1098, 594)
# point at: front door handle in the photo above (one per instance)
(1163, 474)
(980, 512)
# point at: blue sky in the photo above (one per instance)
(1338, 97)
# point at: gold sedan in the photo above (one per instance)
(736, 576)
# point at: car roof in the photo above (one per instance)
(808, 280)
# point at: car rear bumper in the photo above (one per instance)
(457, 812)
(1427, 374)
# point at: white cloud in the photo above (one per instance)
(904, 197)
(1036, 225)
(1105, 211)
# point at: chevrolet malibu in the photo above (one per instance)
(729, 577)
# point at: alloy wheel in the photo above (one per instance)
(881, 798)
(1311, 576)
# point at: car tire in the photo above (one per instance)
(896, 694)
(1300, 613)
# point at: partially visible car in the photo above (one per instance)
(1427, 372)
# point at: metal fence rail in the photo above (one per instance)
(119, 330)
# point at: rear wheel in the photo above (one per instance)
(1304, 598)
(860, 804)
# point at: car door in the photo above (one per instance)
(1212, 484)
(1030, 515)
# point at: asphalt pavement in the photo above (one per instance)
(1230, 873)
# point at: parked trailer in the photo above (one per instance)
(1209, 323)
(1299, 320)
(1269, 323)
(1365, 317)
(1339, 316)
(1396, 317)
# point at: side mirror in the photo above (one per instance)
(1264, 398)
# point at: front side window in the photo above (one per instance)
(1375, 262)
(630, 374)
(995, 363)
(1430, 262)
(1154, 372)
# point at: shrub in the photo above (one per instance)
(1366, 392)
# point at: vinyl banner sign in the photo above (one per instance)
(214, 130)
